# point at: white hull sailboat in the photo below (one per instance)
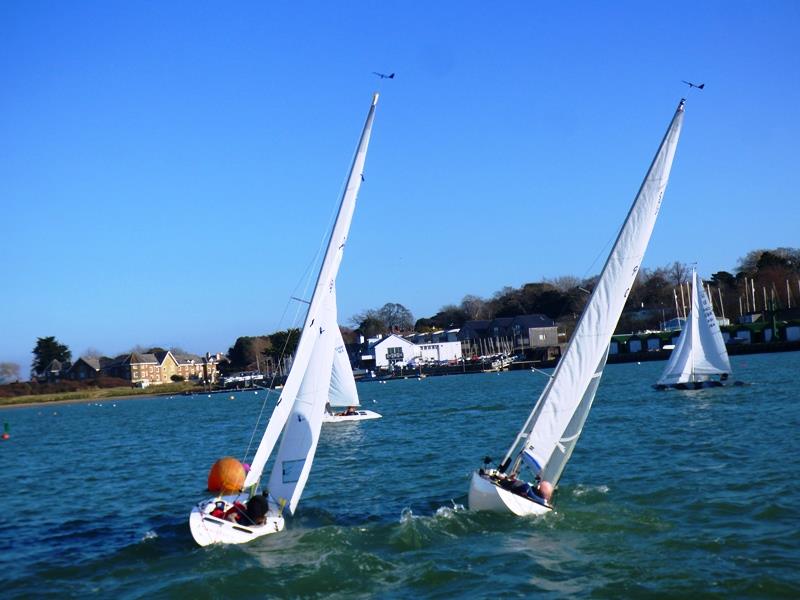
(345, 417)
(699, 359)
(548, 437)
(298, 413)
(343, 404)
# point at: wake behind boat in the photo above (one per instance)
(553, 427)
(699, 359)
(236, 516)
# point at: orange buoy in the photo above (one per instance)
(226, 476)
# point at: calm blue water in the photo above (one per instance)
(667, 494)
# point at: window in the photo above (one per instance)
(394, 353)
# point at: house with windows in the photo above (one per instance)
(143, 369)
(394, 350)
(88, 367)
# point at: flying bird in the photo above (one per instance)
(691, 85)
(383, 75)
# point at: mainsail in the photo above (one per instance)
(555, 424)
(700, 351)
(300, 407)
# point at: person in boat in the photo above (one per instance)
(236, 512)
(545, 490)
(219, 510)
(256, 511)
(348, 412)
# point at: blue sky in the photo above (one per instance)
(167, 170)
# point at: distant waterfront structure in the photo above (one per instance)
(144, 369)
(509, 335)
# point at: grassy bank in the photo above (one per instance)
(99, 394)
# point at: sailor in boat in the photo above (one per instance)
(348, 412)
(540, 492)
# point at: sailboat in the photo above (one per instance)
(297, 416)
(548, 437)
(700, 354)
(343, 405)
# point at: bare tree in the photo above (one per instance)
(678, 272)
(474, 307)
(9, 372)
(91, 352)
(391, 315)
(564, 283)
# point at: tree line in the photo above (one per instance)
(765, 279)
(771, 273)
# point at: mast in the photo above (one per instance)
(581, 366)
(323, 289)
(693, 308)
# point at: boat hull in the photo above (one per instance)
(696, 385)
(207, 530)
(361, 415)
(485, 495)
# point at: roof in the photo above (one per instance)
(134, 358)
(389, 338)
(477, 325)
(534, 320)
(188, 359)
(54, 365)
(92, 361)
(501, 322)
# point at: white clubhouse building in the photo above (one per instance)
(396, 350)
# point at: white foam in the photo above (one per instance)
(583, 490)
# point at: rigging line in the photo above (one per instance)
(270, 389)
(307, 276)
(535, 370)
(271, 384)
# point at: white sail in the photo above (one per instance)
(301, 434)
(555, 466)
(700, 351)
(576, 371)
(324, 293)
(343, 391)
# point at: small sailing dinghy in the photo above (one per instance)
(343, 404)
(299, 410)
(551, 431)
(699, 359)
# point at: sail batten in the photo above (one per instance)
(317, 323)
(563, 406)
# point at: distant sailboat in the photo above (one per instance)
(343, 404)
(552, 429)
(299, 410)
(700, 354)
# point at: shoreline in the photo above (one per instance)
(149, 396)
(655, 355)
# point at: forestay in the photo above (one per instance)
(700, 351)
(577, 375)
(307, 382)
